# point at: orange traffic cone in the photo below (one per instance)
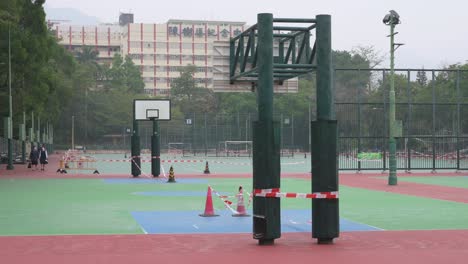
(209, 210)
(171, 178)
(240, 204)
(207, 169)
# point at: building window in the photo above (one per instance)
(161, 45)
(199, 46)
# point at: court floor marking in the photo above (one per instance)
(379, 229)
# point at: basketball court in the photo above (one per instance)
(144, 206)
(56, 218)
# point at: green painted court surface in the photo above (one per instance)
(460, 182)
(104, 206)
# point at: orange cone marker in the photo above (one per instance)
(207, 169)
(209, 210)
(240, 204)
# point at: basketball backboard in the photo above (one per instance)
(152, 109)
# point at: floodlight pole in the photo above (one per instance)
(392, 177)
(155, 150)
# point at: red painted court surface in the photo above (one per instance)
(428, 246)
(357, 247)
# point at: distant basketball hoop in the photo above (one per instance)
(152, 109)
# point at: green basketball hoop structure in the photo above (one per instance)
(273, 51)
(155, 111)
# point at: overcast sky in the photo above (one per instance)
(435, 32)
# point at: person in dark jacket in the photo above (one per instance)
(34, 157)
(43, 157)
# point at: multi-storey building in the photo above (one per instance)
(161, 50)
(106, 39)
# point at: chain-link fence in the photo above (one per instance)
(17, 151)
(432, 105)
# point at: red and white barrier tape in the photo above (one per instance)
(226, 202)
(275, 193)
(142, 172)
(273, 190)
(250, 198)
(146, 160)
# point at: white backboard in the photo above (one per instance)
(148, 109)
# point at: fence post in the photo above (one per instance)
(359, 124)
(206, 150)
(458, 120)
(433, 123)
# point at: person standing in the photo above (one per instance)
(34, 157)
(43, 157)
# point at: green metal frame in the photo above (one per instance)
(255, 61)
(294, 55)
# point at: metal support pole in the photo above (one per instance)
(409, 128)
(206, 138)
(38, 131)
(155, 150)
(10, 101)
(73, 132)
(266, 156)
(292, 134)
(433, 123)
(192, 136)
(359, 112)
(392, 176)
(384, 156)
(32, 136)
(458, 120)
(325, 214)
(310, 121)
(281, 134)
(52, 148)
(23, 139)
(124, 132)
(136, 161)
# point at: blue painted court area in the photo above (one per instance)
(188, 222)
(151, 181)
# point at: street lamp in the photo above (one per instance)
(392, 19)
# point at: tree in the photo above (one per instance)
(369, 54)
(188, 95)
(39, 79)
(351, 85)
(421, 78)
(123, 76)
(87, 55)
